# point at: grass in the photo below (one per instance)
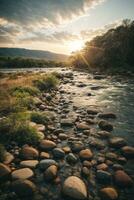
(39, 117)
(16, 128)
(17, 94)
(46, 83)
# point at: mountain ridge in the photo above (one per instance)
(29, 53)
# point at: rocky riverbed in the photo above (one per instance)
(85, 153)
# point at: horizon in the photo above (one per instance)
(59, 27)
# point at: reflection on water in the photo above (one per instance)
(111, 96)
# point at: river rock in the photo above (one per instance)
(29, 153)
(44, 164)
(41, 127)
(75, 188)
(103, 176)
(128, 151)
(92, 112)
(104, 134)
(108, 193)
(82, 126)
(29, 163)
(122, 179)
(4, 172)
(8, 158)
(106, 126)
(58, 153)
(111, 156)
(44, 155)
(47, 145)
(87, 164)
(24, 173)
(67, 122)
(86, 154)
(85, 171)
(66, 149)
(23, 188)
(117, 142)
(107, 115)
(62, 136)
(77, 146)
(50, 173)
(71, 158)
(102, 166)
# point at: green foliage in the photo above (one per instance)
(18, 62)
(16, 128)
(24, 134)
(2, 152)
(46, 83)
(23, 91)
(39, 117)
(112, 51)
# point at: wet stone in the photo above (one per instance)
(50, 173)
(44, 155)
(23, 188)
(108, 193)
(106, 126)
(24, 173)
(29, 163)
(75, 188)
(44, 164)
(117, 142)
(122, 179)
(58, 153)
(103, 176)
(47, 144)
(102, 166)
(128, 151)
(86, 154)
(4, 172)
(82, 126)
(29, 153)
(107, 115)
(71, 158)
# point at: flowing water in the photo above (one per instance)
(83, 91)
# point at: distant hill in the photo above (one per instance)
(27, 53)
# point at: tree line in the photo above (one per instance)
(18, 62)
(112, 51)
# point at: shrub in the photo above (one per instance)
(24, 91)
(39, 118)
(24, 134)
(47, 82)
(5, 130)
(2, 152)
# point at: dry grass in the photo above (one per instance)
(8, 102)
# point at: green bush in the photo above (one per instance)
(39, 118)
(2, 152)
(5, 130)
(24, 134)
(24, 91)
(16, 128)
(46, 83)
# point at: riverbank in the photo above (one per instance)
(77, 152)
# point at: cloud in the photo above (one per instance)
(56, 37)
(91, 33)
(45, 12)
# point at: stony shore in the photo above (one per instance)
(78, 156)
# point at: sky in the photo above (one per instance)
(60, 26)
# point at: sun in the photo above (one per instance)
(75, 45)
